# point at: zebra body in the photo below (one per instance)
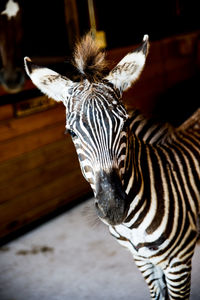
(145, 176)
(161, 226)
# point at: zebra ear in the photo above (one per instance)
(128, 70)
(48, 81)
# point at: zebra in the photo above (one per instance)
(145, 176)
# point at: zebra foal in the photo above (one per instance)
(145, 177)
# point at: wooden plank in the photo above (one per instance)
(38, 176)
(143, 97)
(14, 127)
(40, 211)
(6, 112)
(181, 73)
(70, 184)
(28, 161)
(25, 143)
(72, 21)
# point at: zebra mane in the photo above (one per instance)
(89, 59)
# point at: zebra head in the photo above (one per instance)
(96, 118)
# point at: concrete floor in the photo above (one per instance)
(70, 257)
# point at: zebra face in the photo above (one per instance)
(96, 118)
(96, 122)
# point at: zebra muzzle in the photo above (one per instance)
(110, 202)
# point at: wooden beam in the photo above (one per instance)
(12, 128)
(72, 24)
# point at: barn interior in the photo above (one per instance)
(50, 247)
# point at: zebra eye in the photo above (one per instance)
(72, 133)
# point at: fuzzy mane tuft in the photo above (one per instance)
(89, 59)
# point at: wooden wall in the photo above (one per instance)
(39, 171)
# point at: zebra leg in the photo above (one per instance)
(154, 277)
(178, 280)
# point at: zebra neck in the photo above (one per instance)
(133, 177)
(145, 138)
(138, 182)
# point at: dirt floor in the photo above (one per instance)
(73, 257)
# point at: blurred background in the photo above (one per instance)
(39, 172)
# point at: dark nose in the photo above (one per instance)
(12, 81)
(110, 201)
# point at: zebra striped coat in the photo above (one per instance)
(145, 176)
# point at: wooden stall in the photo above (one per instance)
(39, 170)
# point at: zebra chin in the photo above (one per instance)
(110, 200)
(111, 217)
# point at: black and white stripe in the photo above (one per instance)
(96, 121)
(161, 226)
